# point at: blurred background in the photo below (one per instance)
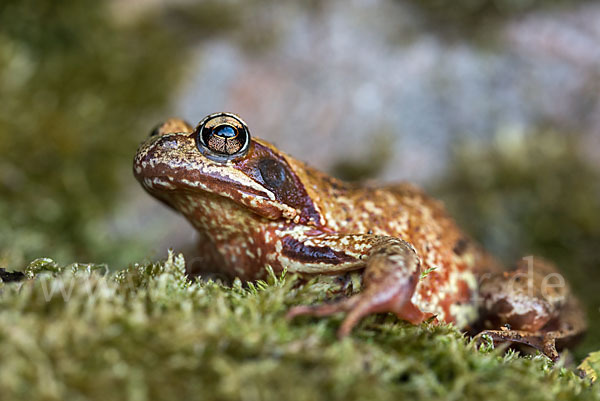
(492, 105)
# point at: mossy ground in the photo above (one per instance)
(148, 332)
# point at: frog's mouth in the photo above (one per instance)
(170, 166)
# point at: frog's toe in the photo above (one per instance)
(356, 307)
(321, 310)
(545, 343)
(361, 305)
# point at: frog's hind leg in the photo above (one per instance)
(390, 278)
(566, 330)
(531, 305)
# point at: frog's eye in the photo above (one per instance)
(222, 137)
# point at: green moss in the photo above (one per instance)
(591, 366)
(77, 91)
(532, 195)
(74, 332)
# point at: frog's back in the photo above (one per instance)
(402, 210)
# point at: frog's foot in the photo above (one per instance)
(543, 342)
(542, 316)
(390, 278)
(360, 305)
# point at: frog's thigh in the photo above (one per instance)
(391, 274)
(533, 306)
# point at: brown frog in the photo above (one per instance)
(255, 206)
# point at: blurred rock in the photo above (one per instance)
(338, 75)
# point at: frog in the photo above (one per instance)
(257, 209)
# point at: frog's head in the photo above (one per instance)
(217, 163)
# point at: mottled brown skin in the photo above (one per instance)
(261, 207)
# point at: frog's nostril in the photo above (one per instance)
(155, 131)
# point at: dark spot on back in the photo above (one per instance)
(461, 246)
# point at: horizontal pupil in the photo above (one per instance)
(225, 131)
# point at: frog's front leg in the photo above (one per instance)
(392, 271)
(533, 305)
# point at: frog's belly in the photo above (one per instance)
(451, 295)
